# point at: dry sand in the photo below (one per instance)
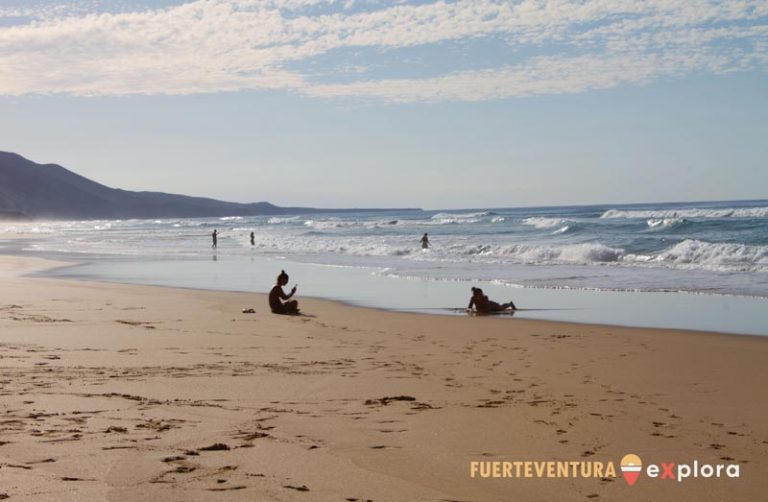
(113, 392)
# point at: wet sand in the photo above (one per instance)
(115, 392)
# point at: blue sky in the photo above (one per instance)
(371, 103)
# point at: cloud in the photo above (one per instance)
(203, 46)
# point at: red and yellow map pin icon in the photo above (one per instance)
(631, 466)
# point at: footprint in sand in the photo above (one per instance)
(227, 489)
(302, 488)
(215, 447)
(144, 324)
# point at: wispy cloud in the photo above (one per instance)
(551, 47)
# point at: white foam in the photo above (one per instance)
(279, 220)
(542, 222)
(749, 212)
(462, 216)
(582, 254)
(458, 218)
(716, 257)
(660, 223)
(329, 224)
(459, 251)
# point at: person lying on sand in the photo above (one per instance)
(277, 295)
(483, 305)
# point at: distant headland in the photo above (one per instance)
(31, 191)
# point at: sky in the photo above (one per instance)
(372, 103)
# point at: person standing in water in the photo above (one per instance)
(215, 238)
(483, 305)
(253, 239)
(277, 297)
(425, 241)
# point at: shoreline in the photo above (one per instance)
(263, 300)
(44, 273)
(116, 391)
(711, 311)
(360, 287)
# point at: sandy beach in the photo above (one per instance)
(123, 393)
(528, 241)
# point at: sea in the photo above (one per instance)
(695, 265)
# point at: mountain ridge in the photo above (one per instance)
(30, 191)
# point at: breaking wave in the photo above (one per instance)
(663, 223)
(720, 246)
(541, 222)
(459, 218)
(716, 257)
(281, 220)
(741, 212)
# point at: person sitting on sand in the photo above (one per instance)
(485, 306)
(277, 295)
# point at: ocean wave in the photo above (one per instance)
(662, 223)
(437, 219)
(368, 224)
(14, 229)
(745, 212)
(463, 216)
(580, 254)
(279, 220)
(541, 222)
(329, 224)
(715, 257)
(688, 254)
(459, 218)
(458, 252)
(379, 239)
(574, 253)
